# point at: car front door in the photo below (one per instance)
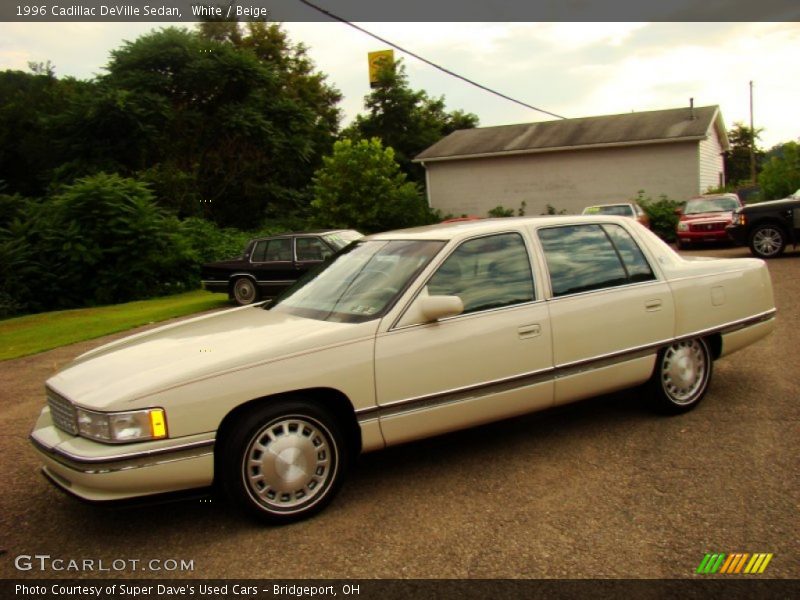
(492, 361)
(309, 251)
(609, 311)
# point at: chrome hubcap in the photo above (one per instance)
(683, 371)
(289, 463)
(244, 290)
(767, 241)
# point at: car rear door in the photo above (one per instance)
(609, 311)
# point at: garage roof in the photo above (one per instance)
(636, 128)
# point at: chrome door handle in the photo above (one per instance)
(529, 331)
(653, 305)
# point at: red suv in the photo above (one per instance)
(704, 219)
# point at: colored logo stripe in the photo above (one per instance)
(710, 563)
(737, 563)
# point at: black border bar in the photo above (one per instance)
(32, 11)
(702, 587)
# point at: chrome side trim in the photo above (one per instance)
(607, 360)
(534, 377)
(126, 461)
(733, 325)
(451, 396)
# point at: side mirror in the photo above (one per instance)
(434, 308)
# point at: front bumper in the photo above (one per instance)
(100, 472)
(694, 237)
(737, 233)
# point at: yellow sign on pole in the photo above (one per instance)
(376, 61)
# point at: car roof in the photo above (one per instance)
(465, 229)
(728, 195)
(611, 204)
(294, 233)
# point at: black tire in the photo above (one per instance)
(767, 241)
(282, 462)
(244, 291)
(681, 376)
(682, 245)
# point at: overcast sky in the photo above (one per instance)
(572, 69)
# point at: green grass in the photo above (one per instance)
(22, 336)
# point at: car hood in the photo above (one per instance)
(710, 217)
(790, 202)
(119, 374)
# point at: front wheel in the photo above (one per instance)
(681, 377)
(767, 241)
(282, 462)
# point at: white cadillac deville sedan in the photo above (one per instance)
(400, 336)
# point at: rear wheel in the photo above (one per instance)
(244, 291)
(282, 462)
(767, 241)
(681, 377)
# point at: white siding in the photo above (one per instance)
(711, 161)
(569, 180)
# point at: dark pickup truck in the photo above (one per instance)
(767, 227)
(270, 265)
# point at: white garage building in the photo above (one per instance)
(573, 163)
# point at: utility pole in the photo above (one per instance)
(752, 140)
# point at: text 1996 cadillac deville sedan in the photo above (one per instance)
(401, 335)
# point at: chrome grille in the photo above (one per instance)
(700, 227)
(62, 412)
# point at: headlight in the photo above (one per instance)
(683, 226)
(133, 426)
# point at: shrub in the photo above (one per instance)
(100, 240)
(780, 176)
(551, 210)
(361, 186)
(663, 218)
(500, 211)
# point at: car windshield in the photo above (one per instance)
(706, 205)
(340, 239)
(620, 210)
(359, 283)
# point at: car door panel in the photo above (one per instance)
(491, 371)
(607, 340)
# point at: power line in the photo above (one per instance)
(426, 61)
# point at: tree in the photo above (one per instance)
(29, 104)
(404, 119)
(780, 176)
(361, 186)
(737, 159)
(224, 123)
